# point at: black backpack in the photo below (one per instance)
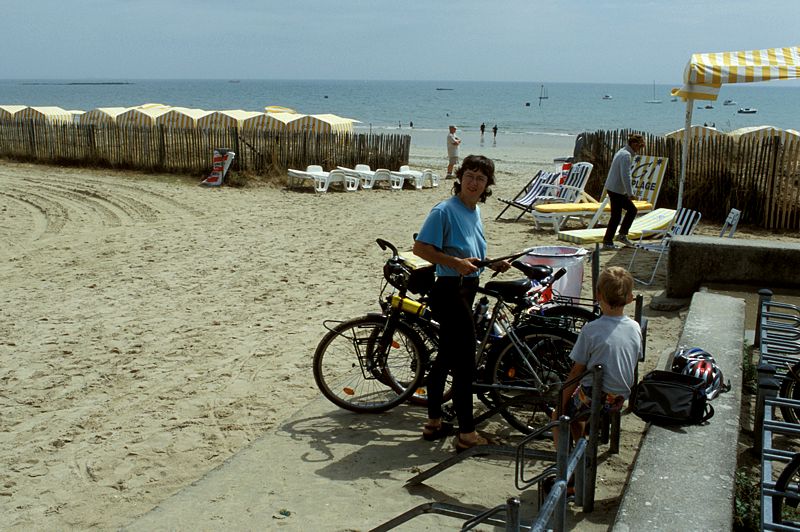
(667, 398)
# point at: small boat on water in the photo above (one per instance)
(608, 97)
(747, 110)
(654, 100)
(729, 102)
(709, 106)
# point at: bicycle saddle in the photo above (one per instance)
(537, 272)
(509, 290)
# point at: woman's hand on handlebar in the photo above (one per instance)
(499, 266)
(465, 266)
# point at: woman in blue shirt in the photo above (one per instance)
(452, 238)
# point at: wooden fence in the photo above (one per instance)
(760, 177)
(161, 148)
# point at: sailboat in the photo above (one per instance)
(542, 94)
(654, 100)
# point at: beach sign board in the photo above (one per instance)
(222, 161)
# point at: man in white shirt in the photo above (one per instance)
(452, 151)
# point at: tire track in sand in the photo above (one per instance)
(51, 206)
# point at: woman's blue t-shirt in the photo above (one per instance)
(454, 229)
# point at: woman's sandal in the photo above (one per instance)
(462, 445)
(437, 432)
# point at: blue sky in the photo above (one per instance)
(544, 40)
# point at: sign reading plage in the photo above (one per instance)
(647, 174)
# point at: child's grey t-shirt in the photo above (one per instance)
(615, 342)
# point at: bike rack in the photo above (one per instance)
(581, 464)
(776, 326)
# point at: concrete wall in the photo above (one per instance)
(697, 260)
(683, 478)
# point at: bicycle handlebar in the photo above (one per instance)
(559, 274)
(385, 244)
(486, 262)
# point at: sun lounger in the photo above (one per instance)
(654, 220)
(417, 178)
(648, 175)
(369, 178)
(321, 179)
(525, 198)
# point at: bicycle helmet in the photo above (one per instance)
(709, 372)
(396, 273)
(684, 355)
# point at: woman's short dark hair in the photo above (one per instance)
(476, 163)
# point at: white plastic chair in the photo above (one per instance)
(321, 179)
(369, 178)
(684, 224)
(417, 178)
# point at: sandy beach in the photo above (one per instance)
(154, 328)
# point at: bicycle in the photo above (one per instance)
(790, 389)
(377, 361)
(785, 501)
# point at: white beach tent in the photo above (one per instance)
(787, 136)
(225, 119)
(275, 122)
(323, 123)
(335, 124)
(53, 115)
(181, 117)
(279, 109)
(703, 132)
(7, 112)
(142, 116)
(77, 115)
(705, 74)
(103, 115)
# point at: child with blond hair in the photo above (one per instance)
(614, 341)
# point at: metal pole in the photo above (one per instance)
(595, 270)
(562, 458)
(684, 158)
(594, 433)
(512, 515)
(764, 295)
(768, 387)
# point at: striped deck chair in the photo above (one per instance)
(569, 189)
(526, 198)
(653, 220)
(648, 175)
(685, 222)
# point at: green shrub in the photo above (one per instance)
(747, 503)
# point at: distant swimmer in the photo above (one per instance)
(483, 128)
(494, 131)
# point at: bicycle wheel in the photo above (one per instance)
(784, 507)
(355, 370)
(790, 389)
(528, 406)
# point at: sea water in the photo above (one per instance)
(521, 111)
